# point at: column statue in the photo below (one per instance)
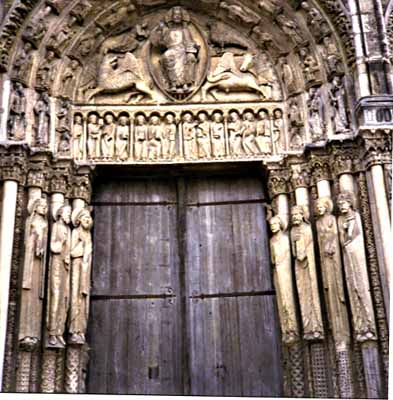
(280, 252)
(32, 294)
(59, 278)
(306, 276)
(81, 258)
(329, 248)
(352, 242)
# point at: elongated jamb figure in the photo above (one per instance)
(81, 258)
(59, 278)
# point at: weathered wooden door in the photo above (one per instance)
(182, 299)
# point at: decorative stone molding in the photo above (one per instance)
(320, 168)
(278, 182)
(377, 147)
(60, 179)
(82, 184)
(13, 163)
(342, 160)
(300, 176)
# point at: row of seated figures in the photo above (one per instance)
(144, 137)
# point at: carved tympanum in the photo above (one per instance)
(306, 276)
(355, 263)
(33, 284)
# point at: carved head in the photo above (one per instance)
(123, 120)
(276, 224)
(324, 205)
(64, 213)
(234, 116)
(39, 206)
(109, 118)
(82, 218)
(169, 118)
(346, 202)
(187, 117)
(249, 116)
(140, 119)
(202, 117)
(217, 117)
(155, 120)
(297, 215)
(262, 114)
(93, 118)
(277, 114)
(177, 15)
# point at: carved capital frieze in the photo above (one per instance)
(377, 148)
(320, 168)
(278, 182)
(13, 164)
(342, 161)
(82, 186)
(37, 176)
(300, 176)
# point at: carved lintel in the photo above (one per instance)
(320, 168)
(278, 182)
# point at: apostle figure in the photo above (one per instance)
(169, 137)
(235, 130)
(108, 137)
(122, 138)
(32, 294)
(218, 136)
(249, 133)
(155, 138)
(351, 238)
(179, 51)
(329, 249)
(203, 135)
(281, 260)
(306, 276)
(59, 277)
(94, 131)
(264, 133)
(189, 136)
(81, 258)
(140, 138)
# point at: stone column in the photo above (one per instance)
(10, 188)
(12, 170)
(278, 193)
(27, 379)
(361, 67)
(76, 352)
(331, 266)
(53, 356)
(301, 235)
(344, 163)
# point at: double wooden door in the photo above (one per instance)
(182, 299)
